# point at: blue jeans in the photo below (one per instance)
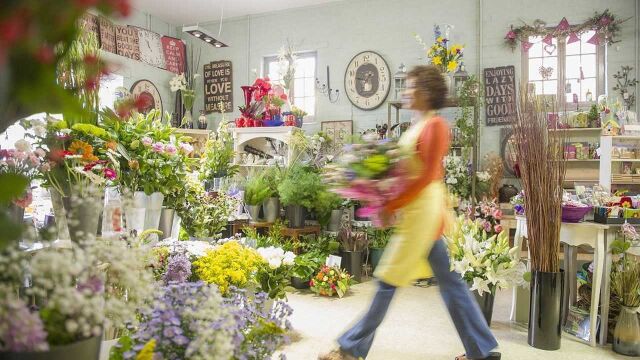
(463, 309)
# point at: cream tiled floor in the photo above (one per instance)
(417, 327)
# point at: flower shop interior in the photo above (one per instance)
(211, 179)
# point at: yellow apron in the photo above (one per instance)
(419, 223)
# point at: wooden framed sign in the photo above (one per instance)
(174, 54)
(107, 35)
(218, 87)
(127, 42)
(89, 24)
(500, 95)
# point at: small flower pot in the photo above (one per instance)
(299, 283)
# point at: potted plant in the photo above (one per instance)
(541, 161)
(625, 284)
(274, 274)
(328, 207)
(271, 205)
(298, 191)
(216, 161)
(299, 115)
(378, 240)
(353, 244)
(256, 191)
(305, 266)
(484, 260)
(331, 281)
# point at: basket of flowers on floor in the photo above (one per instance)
(331, 281)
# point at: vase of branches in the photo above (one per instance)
(539, 154)
(353, 244)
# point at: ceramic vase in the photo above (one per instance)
(485, 301)
(376, 255)
(352, 262)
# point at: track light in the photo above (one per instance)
(202, 34)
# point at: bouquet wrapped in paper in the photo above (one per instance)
(372, 172)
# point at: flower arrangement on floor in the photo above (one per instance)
(446, 56)
(275, 272)
(331, 281)
(371, 172)
(484, 261)
(230, 264)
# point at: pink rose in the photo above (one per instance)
(186, 148)
(158, 147)
(21, 155)
(497, 213)
(25, 200)
(498, 228)
(487, 226)
(146, 141)
(40, 152)
(11, 162)
(170, 149)
(35, 161)
(45, 167)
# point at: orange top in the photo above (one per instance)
(432, 147)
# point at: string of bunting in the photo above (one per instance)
(605, 24)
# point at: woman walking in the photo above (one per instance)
(416, 249)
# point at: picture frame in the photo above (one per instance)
(339, 131)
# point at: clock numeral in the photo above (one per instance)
(376, 60)
(356, 63)
(382, 87)
(351, 73)
(366, 102)
(383, 69)
(365, 58)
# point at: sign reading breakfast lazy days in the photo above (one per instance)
(500, 95)
(218, 87)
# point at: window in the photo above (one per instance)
(575, 70)
(303, 89)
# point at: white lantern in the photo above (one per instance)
(400, 81)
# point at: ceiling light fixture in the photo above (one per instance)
(203, 35)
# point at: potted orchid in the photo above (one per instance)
(485, 262)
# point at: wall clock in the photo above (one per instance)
(367, 80)
(146, 89)
(151, 51)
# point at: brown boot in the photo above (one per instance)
(337, 355)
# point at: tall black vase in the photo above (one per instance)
(352, 262)
(545, 313)
(485, 301)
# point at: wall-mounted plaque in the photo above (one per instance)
(174, 54)
(107, 35)
(89, 24)
(500, 95)
(218, 87)
(127, 42)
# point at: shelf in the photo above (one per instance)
(581, 180)
(582, 160)
(625, 137)
(265, 130)
(577, 130)
(193, 131)
(625, 160)
(625, 182)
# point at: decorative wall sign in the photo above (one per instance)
(174, 54)
(127, 42)
(151, 48)
(218, 87)
(145, 88)
(367, 80)
(107, 35)
(500, 95)
(89, 24)
(340, 132)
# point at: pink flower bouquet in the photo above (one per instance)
(370, 172)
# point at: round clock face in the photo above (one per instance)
(367, 80)
(146, 89)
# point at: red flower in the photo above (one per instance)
(90, 166)
(14, 27)
(142, 102)
(58, 155)
(90, 59)
(121, 6)
(283, 97)
(91, 83)
(45, 54)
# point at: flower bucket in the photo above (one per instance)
(352, 262)
(83, 217)
(134, 218)
(545, 314)
(88, 349)
(299, 283)
(626, 336)
(60, 215)
(153, 211)
(295, 215)
(254, 212)
(167, 220)
(334, 221)
(271, 208)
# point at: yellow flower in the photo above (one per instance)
(454, 49)
(436, 60)
(452, 65)
(89, 129)
(440, 39)
(146, 353)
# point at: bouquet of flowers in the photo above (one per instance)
(442, 53)
(370, 172)
(487, 215)
(22, 161)
(331, 281)
(458, 176)
(275, 272)
(484, 261)
(518, 203)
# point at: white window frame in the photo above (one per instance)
(300, 55)
(562, 55)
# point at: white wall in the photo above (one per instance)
(337, 31)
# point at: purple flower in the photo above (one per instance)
(23, 330)
(158, 147)
(170, 149)
(146, 141)
(178, 268)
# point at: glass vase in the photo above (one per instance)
(187, 120)
(626, 336)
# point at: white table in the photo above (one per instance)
(573, 235)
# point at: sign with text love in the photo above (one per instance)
(500, 95)
(174, 54)
(218, 87)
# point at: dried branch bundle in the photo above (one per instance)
(540, 157)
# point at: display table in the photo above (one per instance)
(598, 237)
(293, 233)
